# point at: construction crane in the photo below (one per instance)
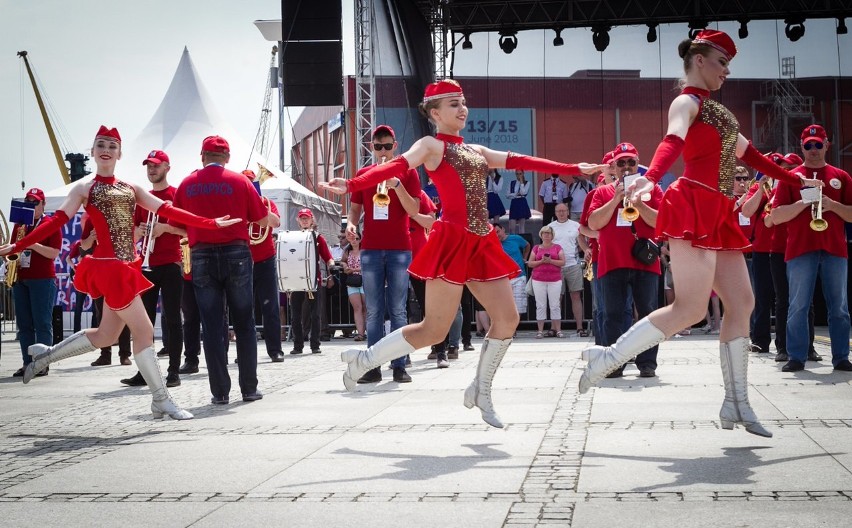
(77, 161)
(261, 139)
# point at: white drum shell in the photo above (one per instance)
(296, 261)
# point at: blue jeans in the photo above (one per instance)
(266, 300)
(223, 273)
(801, 276)
(34, 300)
(615, 285)
(598, 309)
(378, 269)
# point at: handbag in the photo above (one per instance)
(354, 280)
(528, 288)
(644, 250)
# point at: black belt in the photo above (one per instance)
(208, 245)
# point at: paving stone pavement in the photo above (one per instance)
(79, 449)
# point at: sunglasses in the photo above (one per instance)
(741, 178)
(623, 163)
(383, 146)
(813, 144)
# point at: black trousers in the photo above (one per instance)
(124, 349)
(548, 213)
(266, 303)
(168, 280)
(299, 302)
(764, 291)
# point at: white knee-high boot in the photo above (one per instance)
(149, 367)
(479, 391)
(736, 409)
(44, 355)
(391, 347)
(604, 360)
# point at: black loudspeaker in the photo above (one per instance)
(312, 53)
(313, 73)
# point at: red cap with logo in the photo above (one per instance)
(624, 150)
(813, 133)
(793, 159)
(607, 158)
(36, 193)
(718, 40)
(384, 130)
(108, 133)
(441, 89)
(215, 144)
(156, 157)
(305, 212)
(775, 158)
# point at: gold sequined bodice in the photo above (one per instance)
(111, 205)
(461, 183)
(717, 116)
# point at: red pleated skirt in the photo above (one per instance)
(118, 282)
(456, 255)
(704, 217)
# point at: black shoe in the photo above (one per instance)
(793, 366)
(163, 352)
(400, 375)
(371, 376)
(467, 347)
(135, 381)
(813, 356)
(277, 358)
(19, 373)
(103, 360)
(647, 372)
(844, 365)
(316, 351)
(296, 351)
(453, 352)
(617, 374)
(443, 362)
(433, 354)
(219, 400)
(757, 348)
(782, 356)
(172, 379)
(189, 367)
(253, 396)
(47, 369)
(125, 360)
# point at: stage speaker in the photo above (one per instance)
(312, 53)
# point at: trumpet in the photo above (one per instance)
(382, 198)
(817, 221)
(766, 187)
(588, 270)
(255, 239)
(628, 211)
(148, 240)
(185, 256)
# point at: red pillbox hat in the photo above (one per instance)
(718, 40)
(108, 133)
(441, 89)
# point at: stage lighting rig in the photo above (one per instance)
(695, 26)
(795, 28)
(466, 43)
(508, 41)
(841, 26)
(600, 36)
(557, 40)
(652, 33)
(743, 32)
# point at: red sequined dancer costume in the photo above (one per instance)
(114, 269)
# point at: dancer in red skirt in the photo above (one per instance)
(114, 270)
(696, 217)
(462, 248)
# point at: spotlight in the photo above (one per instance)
(652, 33)
(600, 37)
(557, 40)
(695, 26)
(841, 26)
(508, 41)
(466, 43)
(743, 32)
(795, 28)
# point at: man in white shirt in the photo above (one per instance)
(566, 233)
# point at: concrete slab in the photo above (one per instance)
(89, 514)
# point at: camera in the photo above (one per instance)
(547, 255)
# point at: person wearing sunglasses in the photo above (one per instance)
(619, 273)
(462, 248)
(695, 216)
(385, 250)
(814, 253)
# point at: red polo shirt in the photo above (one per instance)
(584, 221)
(40, 267)
(167, 245)
(390, 234)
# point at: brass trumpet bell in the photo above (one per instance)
(630, 213)
(819, 224)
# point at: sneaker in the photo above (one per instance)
(401, 376)
(844, 365)
(453, 352)
(443, 362)
(793, 366)
(371, 376)
(782, 357)
(433, 354)
(172, 379)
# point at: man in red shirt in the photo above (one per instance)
(34, 291)
(811, 252)
(618, 271)
(265, 277)
(222, 265)
(385, 252)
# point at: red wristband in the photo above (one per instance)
(531, 163)
(45, 228)
(758, 161)
(667, 153)
(378, 174)
(170, 212)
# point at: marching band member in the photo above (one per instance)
(462, 247)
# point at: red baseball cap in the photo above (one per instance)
(383, 130)
(718, 40)
(607, 158)
(305, 212)
(215, 144)
(624, 150)
(156, 157)
(248, 173)
(793, 159)
(775, 157)
(36, 193)
(813, 133)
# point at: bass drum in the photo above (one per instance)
(296, 261)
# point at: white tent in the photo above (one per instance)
(185, 117)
